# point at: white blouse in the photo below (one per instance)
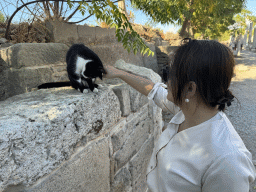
(209, 157)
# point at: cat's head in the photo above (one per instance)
(94, 71)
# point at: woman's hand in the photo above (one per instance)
(112, 72)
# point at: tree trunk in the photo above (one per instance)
(185, 25)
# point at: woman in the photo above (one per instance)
(199, 150)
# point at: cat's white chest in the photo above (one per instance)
(81, 66)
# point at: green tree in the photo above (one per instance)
(241, 20)
(196, 16)
(2, 18)
(107, 11)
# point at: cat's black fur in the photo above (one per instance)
(76, 59)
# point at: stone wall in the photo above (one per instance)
(62, 140)
(25, 66)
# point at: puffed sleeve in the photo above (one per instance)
(231, 173)
(159, 95)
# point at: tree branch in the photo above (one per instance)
(56, 8)
(72, 14)
(37, 1)
(80, 20)
(46, 10)
(30, 11)
(61, 8)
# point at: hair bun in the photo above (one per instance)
(227, 98)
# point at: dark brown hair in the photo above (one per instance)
(210, 65)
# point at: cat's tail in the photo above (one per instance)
(54, 85)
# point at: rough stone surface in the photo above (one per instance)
(73, 175)
(33, 54)
(122, 92)
(39, 130)
(137, 70)
(70, 33)
(150, 62)
(138, 130)
(3, 41)
(27, 79)
(122, 181)
(138, 166)
(63, 140)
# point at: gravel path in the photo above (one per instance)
(242, 115)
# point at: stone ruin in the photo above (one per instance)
(59, 139)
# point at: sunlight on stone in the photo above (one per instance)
(52, 113)
(39, 105)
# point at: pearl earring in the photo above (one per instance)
(186, 100)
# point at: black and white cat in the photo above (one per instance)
(83, 66)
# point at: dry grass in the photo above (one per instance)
(25, 32)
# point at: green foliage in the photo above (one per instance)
(2, 18)
(240, 20)
(106, 11)
(225, 36)
(210, 18)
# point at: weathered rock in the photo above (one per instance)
(137, 133)
(150, 62)
(73, 175)
(33, 54)
(141, 71)
(39, 130)
(122, 181)
(138, 166)
(3, 41)
(49, 133)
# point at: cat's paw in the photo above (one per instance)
(86, 91)
(95, 90)
(100, 85)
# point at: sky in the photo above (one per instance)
(140, 17)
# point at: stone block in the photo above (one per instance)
(41, 129)
(86, 31)
(149, 61)
(122, 92)
(137, 70)
(122, 131)
(103, 32)
(27, 78)
(86, 171)
(133, 142)
(120, 136)
(122, 181)
(33, 54)
(138, 166)
(63, 32)
(137, 99)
